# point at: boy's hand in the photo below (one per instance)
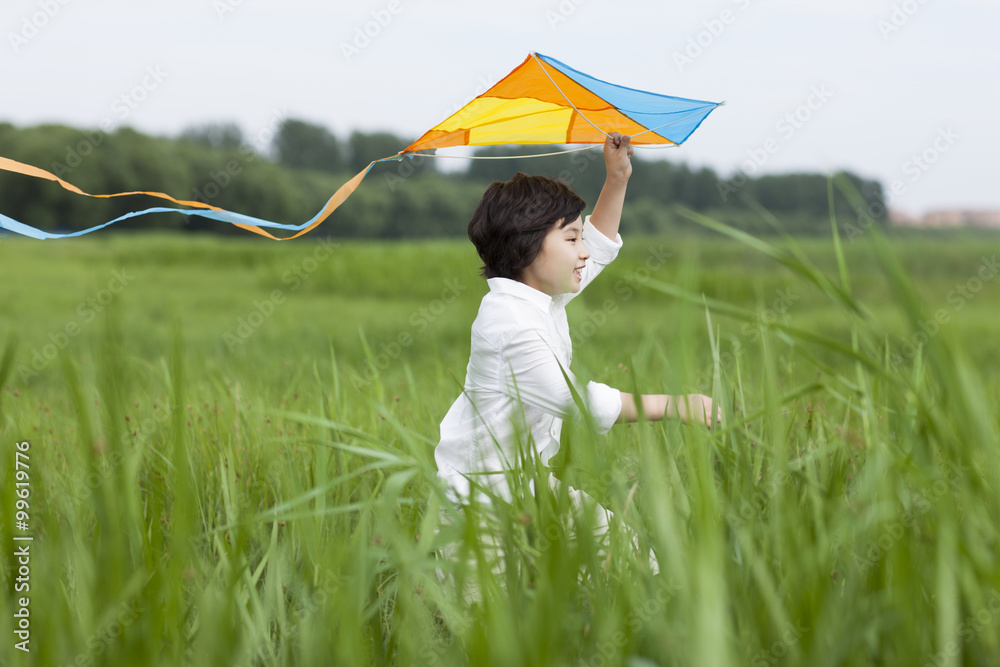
(617, 154)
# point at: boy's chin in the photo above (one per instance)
(572, 287)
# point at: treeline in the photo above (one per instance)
(287, 172)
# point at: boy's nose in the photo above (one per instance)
(584, 252)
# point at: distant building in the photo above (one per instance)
(947, 218)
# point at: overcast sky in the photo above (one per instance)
(904, 91)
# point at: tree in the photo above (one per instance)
(209, 163)
(303, 145)
(367, 146)
(214, 135)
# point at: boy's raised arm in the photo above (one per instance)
(607, 213)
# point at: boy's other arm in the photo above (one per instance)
(690, 408)
(607, 213)
(532, 373)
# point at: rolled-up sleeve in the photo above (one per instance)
(533, 372)
(605, 405)
(602, 249)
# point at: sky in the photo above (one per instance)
(902, 91)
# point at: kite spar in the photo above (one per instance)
(542, 101)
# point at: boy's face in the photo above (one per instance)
(557, 268)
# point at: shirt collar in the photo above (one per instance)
(519, 289)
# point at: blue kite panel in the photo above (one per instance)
(673, 118)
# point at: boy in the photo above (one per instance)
(536, 254)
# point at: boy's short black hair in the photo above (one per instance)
(513, 218)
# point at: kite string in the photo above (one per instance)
(502, 157)
(511, 157)
(654, 129)
(568, 101)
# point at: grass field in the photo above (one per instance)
(230, 456)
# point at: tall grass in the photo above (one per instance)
(262, 507)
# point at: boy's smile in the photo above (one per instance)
(558, 268)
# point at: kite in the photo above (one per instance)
(542, 101)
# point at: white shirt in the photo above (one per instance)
(521, 334)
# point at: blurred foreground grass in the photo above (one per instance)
(231, 456)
